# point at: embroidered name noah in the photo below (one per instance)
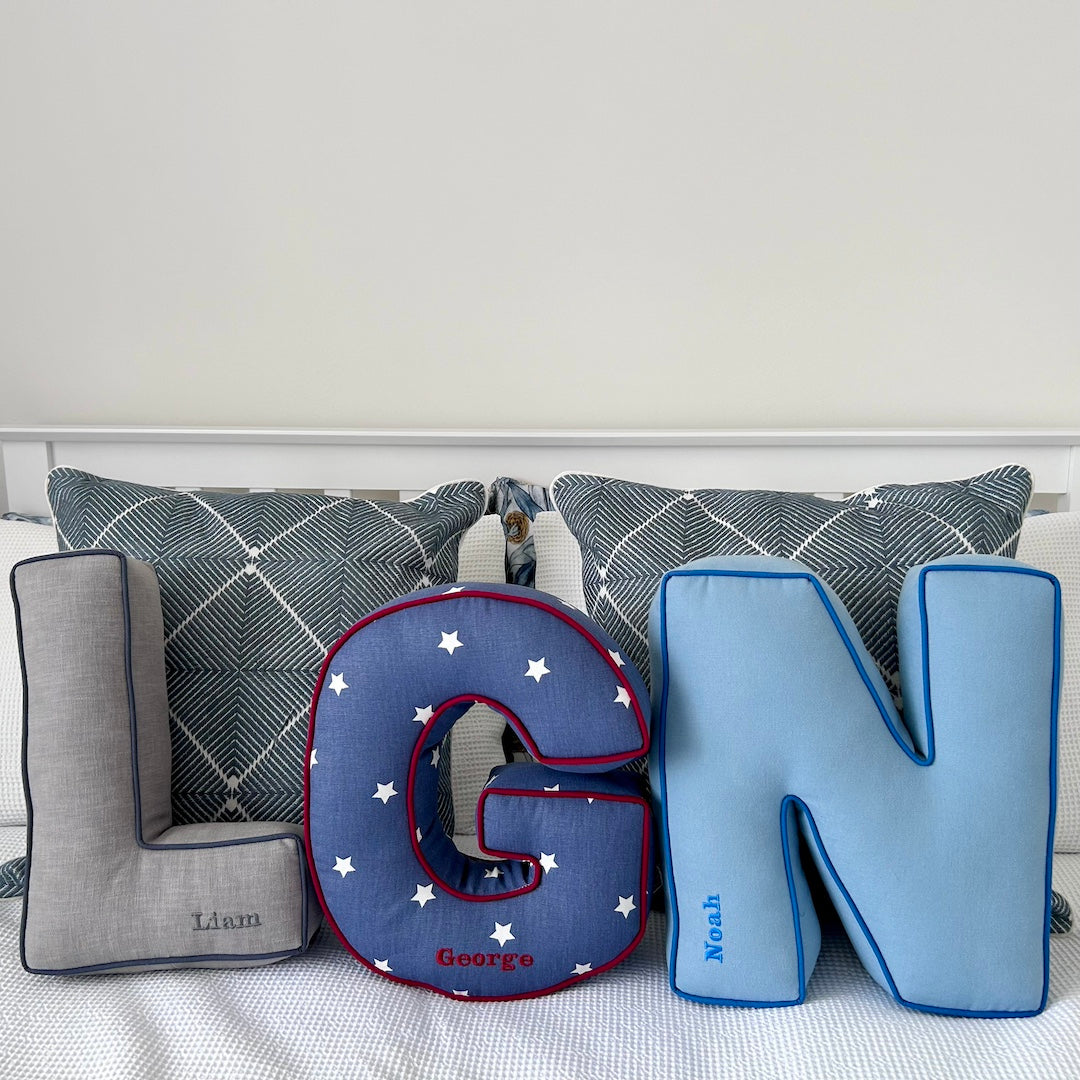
(202, 921)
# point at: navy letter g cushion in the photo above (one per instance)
(568, 895)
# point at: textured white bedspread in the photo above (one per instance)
(322, 1014)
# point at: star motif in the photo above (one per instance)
(548, 862)
(589, 800)
(873, 503)
(424, 893)
(419, 835)
(450, 642)
(502, 933)
(344, 866)
(554, 787)
(617, 657)
(456, 588)
(581, 969)
(423, 715)
(537, 669)
(314, 759)
(626, 905)
(462, 993)
(493, 871)
(622, 697)
(386, 792)
(435, 757)
(338, 683)
(383, 965)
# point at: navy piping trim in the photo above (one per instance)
(139, 840)
(660, 739)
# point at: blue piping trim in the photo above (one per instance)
(139, 839)
(792, 800)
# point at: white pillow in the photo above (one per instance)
(476, 741)
(558, 559)
(1052, 542)
(18, 540)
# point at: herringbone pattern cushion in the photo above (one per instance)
(255, 588)
(631, 534)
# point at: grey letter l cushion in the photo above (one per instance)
(112, 885)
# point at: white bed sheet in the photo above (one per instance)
(322, 1014)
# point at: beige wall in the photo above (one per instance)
(632, 214)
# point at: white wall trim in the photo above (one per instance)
(832, 461)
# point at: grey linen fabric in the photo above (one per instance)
(111, 885)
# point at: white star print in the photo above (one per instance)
(386, 792)
(494, 872)
(314, 759)
(622, 697)
(450, 642)
(338, 683)
(424, 893)
(502, 933)
(383, 965)
(344, 866)
(423, 715)
(537, 669)
(435, 757)
(617, 657)
(589, 801)
(462, 993)
(581, 969)
(554, 787)
(548, 862)
(874, 503)
(626, 905)
(419, 835)
(456, 588)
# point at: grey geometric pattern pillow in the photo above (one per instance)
(12, 874)
(631, 534)
(255, 588)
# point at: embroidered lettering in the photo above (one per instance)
(213, 921)
(713, 949)
(503, 961)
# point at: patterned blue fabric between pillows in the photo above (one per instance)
(518, 504)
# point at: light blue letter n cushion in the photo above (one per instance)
(932, 833)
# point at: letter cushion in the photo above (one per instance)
(932, 834)
(565, 894)
(111, 883)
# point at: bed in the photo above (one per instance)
(322, 1014)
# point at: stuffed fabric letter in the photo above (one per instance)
(932, 834)
(112, 884)
(564, 895)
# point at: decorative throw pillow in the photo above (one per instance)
(631, 534)
(255, 588)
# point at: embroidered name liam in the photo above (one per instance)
(224, 922)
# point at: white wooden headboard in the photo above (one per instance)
(406, 462)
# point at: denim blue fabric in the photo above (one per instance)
(932, 834)
(566, 893)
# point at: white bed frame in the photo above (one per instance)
(403, 463)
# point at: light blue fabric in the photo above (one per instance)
(933, 844)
